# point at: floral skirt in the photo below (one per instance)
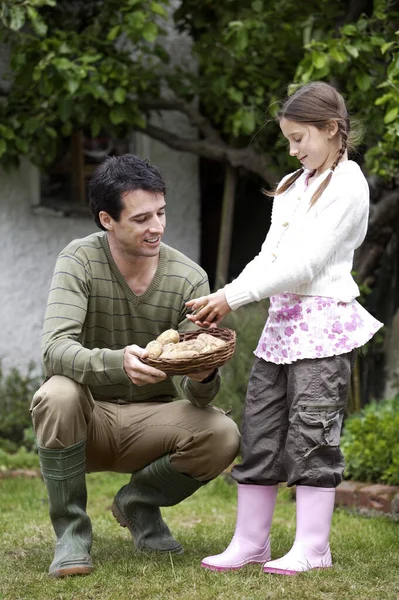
(313, 327)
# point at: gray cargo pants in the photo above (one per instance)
(292, 422)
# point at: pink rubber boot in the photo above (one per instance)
(250, 543)
(311, 550)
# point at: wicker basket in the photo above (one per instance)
(202, 362)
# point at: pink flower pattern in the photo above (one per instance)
(313, 327)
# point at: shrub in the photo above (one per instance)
(16, 391)
(22, 459)
(370, 443)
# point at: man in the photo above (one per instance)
(103, 409)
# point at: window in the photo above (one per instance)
(64, 185)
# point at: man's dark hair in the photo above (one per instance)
(118, 175)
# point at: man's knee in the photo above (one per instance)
(223, 443)
(58, 394)
(60, 410)
(227, 437)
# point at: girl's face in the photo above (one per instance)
(316, 149)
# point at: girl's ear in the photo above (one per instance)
(332, 129)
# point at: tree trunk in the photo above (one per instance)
(226, 227)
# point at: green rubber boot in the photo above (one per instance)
(64, 474)
(136, 505)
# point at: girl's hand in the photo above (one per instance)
(210, 309)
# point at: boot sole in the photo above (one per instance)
(231, 568)
(123, 522)
(290, 573)
(72, 571)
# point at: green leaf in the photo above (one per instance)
(363, 81)
(349, 29)
(319, 60)
(63, 64)
(6, 132)
(17, 18)
(91, 58)
(37, 22)
(40, 27)
(32, 125)
(257, 6)
(242, 40)
(117, 115)
(51, 132)
(386, 47)
(322, 73)
(22, 145)
(72, 85)
(352, 50)
(248, 122)
(120, 95)
(338, 55)
(383, 99)
(150, 32)
(391, 115)
(235, 95)
(113, 33)
(158, 9)
(377, 40)
(3, 147)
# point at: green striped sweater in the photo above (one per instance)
(92, 315)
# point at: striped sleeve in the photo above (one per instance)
(63, 353)
(199, 288)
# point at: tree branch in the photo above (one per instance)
(245, 158)
(195, 118)
(382, 226)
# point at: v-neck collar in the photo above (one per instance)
(130, 295)
(315, 181)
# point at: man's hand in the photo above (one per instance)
(210, 309)
(137, 371)
(199, 377)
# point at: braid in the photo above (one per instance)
(343, 127)
(344, 137)
(287, 184)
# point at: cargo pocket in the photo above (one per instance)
(319, 425)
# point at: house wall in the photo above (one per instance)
(31, 237)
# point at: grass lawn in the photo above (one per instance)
(365, 552)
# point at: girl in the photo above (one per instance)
(298, 388)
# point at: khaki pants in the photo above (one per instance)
(292, 422)
(124, 437)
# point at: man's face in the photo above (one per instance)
(141, 225)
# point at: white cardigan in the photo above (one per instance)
(309, 251)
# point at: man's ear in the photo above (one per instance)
(105, 220)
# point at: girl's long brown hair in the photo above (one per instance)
(316, 104)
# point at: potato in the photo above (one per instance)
(154, 349)
(208, 348)
(167, 347)
(170, 336)
(180, 347)
(211, 340)
(199, 344)
(179, 354)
